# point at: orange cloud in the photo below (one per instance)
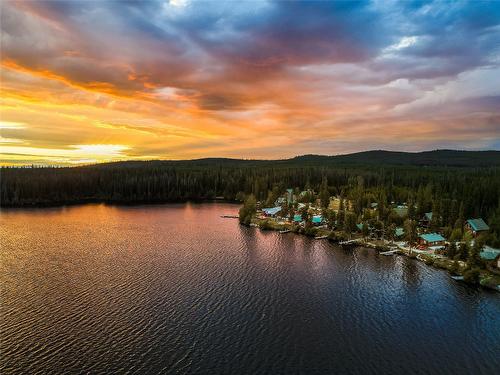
(199, 80)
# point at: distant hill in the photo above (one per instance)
(469, 176)
(430, 158)
(450, 158)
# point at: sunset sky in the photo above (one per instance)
(84, 82)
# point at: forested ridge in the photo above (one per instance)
(470, 182)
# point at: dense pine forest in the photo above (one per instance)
(455, 184)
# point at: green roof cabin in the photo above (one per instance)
(297, 218)
(431, 239)
(489, 253)
(317, 219)
(476, 226)
(271, 212)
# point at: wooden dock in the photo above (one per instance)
(230, 216)
(349, 242)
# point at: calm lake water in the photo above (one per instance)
(177, 289)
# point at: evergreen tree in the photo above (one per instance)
(248, 210)
(410, 232)
(463, 251)
(391, 232)
(324, 194)
(451, 251)
(364, 230)
(349, 223)
(331, 217)
(474, 258)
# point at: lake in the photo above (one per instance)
(178, 289)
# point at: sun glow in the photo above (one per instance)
(75, 154)
(108, 151)
(11, 125)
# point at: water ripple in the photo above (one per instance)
(177, 289)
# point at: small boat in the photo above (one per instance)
(285, 231)
(349, 243)
(458, 278)
(254, 225)
(387, 253)
(320, 237)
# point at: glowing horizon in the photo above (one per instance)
(85, 82)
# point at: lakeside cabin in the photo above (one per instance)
(431, 240)
(271, 212)
(317, 219)
(476, 226)
(297, 218)
(489, 253)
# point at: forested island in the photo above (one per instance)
(424, 200)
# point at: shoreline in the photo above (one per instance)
(319, 233)
(82, 202)
(488, 280)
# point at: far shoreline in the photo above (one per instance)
(83, 202)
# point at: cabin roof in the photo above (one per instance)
(297, 217)
(478, 224)
(271, 210)
(317, 219)
(428, 216)
(399, 232)
(432, 237)
(489, 253)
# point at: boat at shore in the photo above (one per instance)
(320, 237)
(389, 253)
(285, 231)
(229, 216)
(349, 242)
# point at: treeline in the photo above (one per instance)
(452, 192)
(476, 188)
